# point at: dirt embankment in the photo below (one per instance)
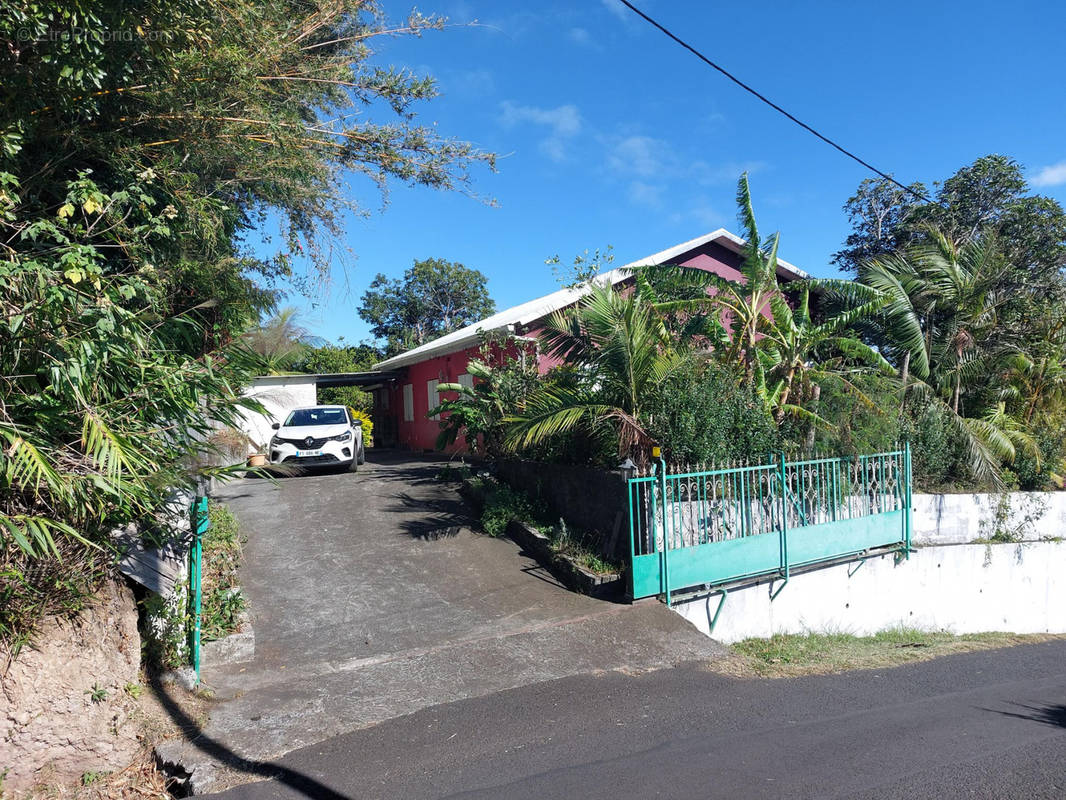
(68, 698)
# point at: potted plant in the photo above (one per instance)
(258, 456)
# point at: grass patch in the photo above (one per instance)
(222, 599)
(502, 504)
(792, 655)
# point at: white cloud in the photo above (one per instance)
(582, 37)
(645, 194)
(617, 9)
(563, 123)
(700, 212)
(1053, 175)
(641, 155)
(728, 172)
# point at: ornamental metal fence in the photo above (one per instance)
(708, 527)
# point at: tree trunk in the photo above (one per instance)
(904, 376)
(816, 394)
(779, 416)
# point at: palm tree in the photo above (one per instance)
(280, 341)
(619, 350)
(940, 320)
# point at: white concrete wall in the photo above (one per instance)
(958, 588)
(279, 395)
(962, 518)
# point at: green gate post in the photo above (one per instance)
(198, 528)
(784, 517)
(907, 520)
(656, 452)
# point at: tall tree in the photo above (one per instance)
(433, 298)
(942, 314)
(877, 212)
(222, 114)
(987, 198)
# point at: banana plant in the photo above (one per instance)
(798, 353)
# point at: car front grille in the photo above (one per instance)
(303, 444)
(326, 458)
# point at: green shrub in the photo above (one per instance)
(1038, 475)
(857, 423)
(502, 504)
(939, 456)
(701, 414)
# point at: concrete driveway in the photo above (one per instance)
(371, 598)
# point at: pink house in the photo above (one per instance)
(403, 399)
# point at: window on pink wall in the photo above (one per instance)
(432, 396)
(408, 403)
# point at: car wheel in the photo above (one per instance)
(361, 457)
(353, 465)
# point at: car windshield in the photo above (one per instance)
(316, 416)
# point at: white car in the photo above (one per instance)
(318, 436)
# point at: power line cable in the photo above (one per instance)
(768, 101)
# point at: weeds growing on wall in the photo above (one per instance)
(223, 601)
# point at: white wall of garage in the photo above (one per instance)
(279, 395)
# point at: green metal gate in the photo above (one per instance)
(717, 526)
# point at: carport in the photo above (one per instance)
(279, 394)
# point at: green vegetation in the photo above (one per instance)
(579, 547)
(222, 602)
(135, 173)
(89, 778)
(501, 504)
(97, 694)
(709, 417)
(452, 473)
(952, 337)
(343, 358)
(792, 655)
(504, 376)
(368, 426)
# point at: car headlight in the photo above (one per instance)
(342, 438)
(274, 441)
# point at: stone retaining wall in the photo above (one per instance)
(587, 498)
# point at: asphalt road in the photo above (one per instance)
(982, 725)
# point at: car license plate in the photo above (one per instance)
(303, 453)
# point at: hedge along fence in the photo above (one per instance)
(593, 500)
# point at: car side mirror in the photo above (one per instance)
(358, 422)
(276, 425)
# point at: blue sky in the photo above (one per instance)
(611, 134)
